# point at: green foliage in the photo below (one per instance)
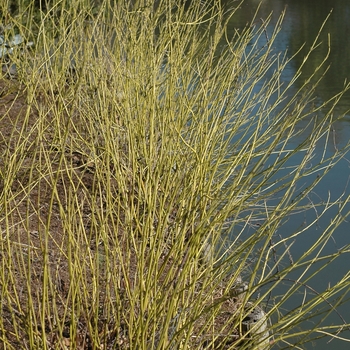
(146, 143)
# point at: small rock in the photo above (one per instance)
(256, 324)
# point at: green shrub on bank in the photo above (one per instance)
(140, 143)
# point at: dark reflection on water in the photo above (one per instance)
(302, 22)
(307, 18)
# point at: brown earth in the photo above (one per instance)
(33, 231)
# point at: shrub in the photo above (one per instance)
(140, 142)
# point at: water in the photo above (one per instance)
(302, 22)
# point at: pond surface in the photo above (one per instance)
(302, 22)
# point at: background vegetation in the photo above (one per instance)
(136, 150)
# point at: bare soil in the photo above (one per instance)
(34, 227)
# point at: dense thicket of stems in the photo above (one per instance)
(140, 142)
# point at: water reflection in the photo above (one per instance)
(302, 22)
(307, 19)
(301, 25)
